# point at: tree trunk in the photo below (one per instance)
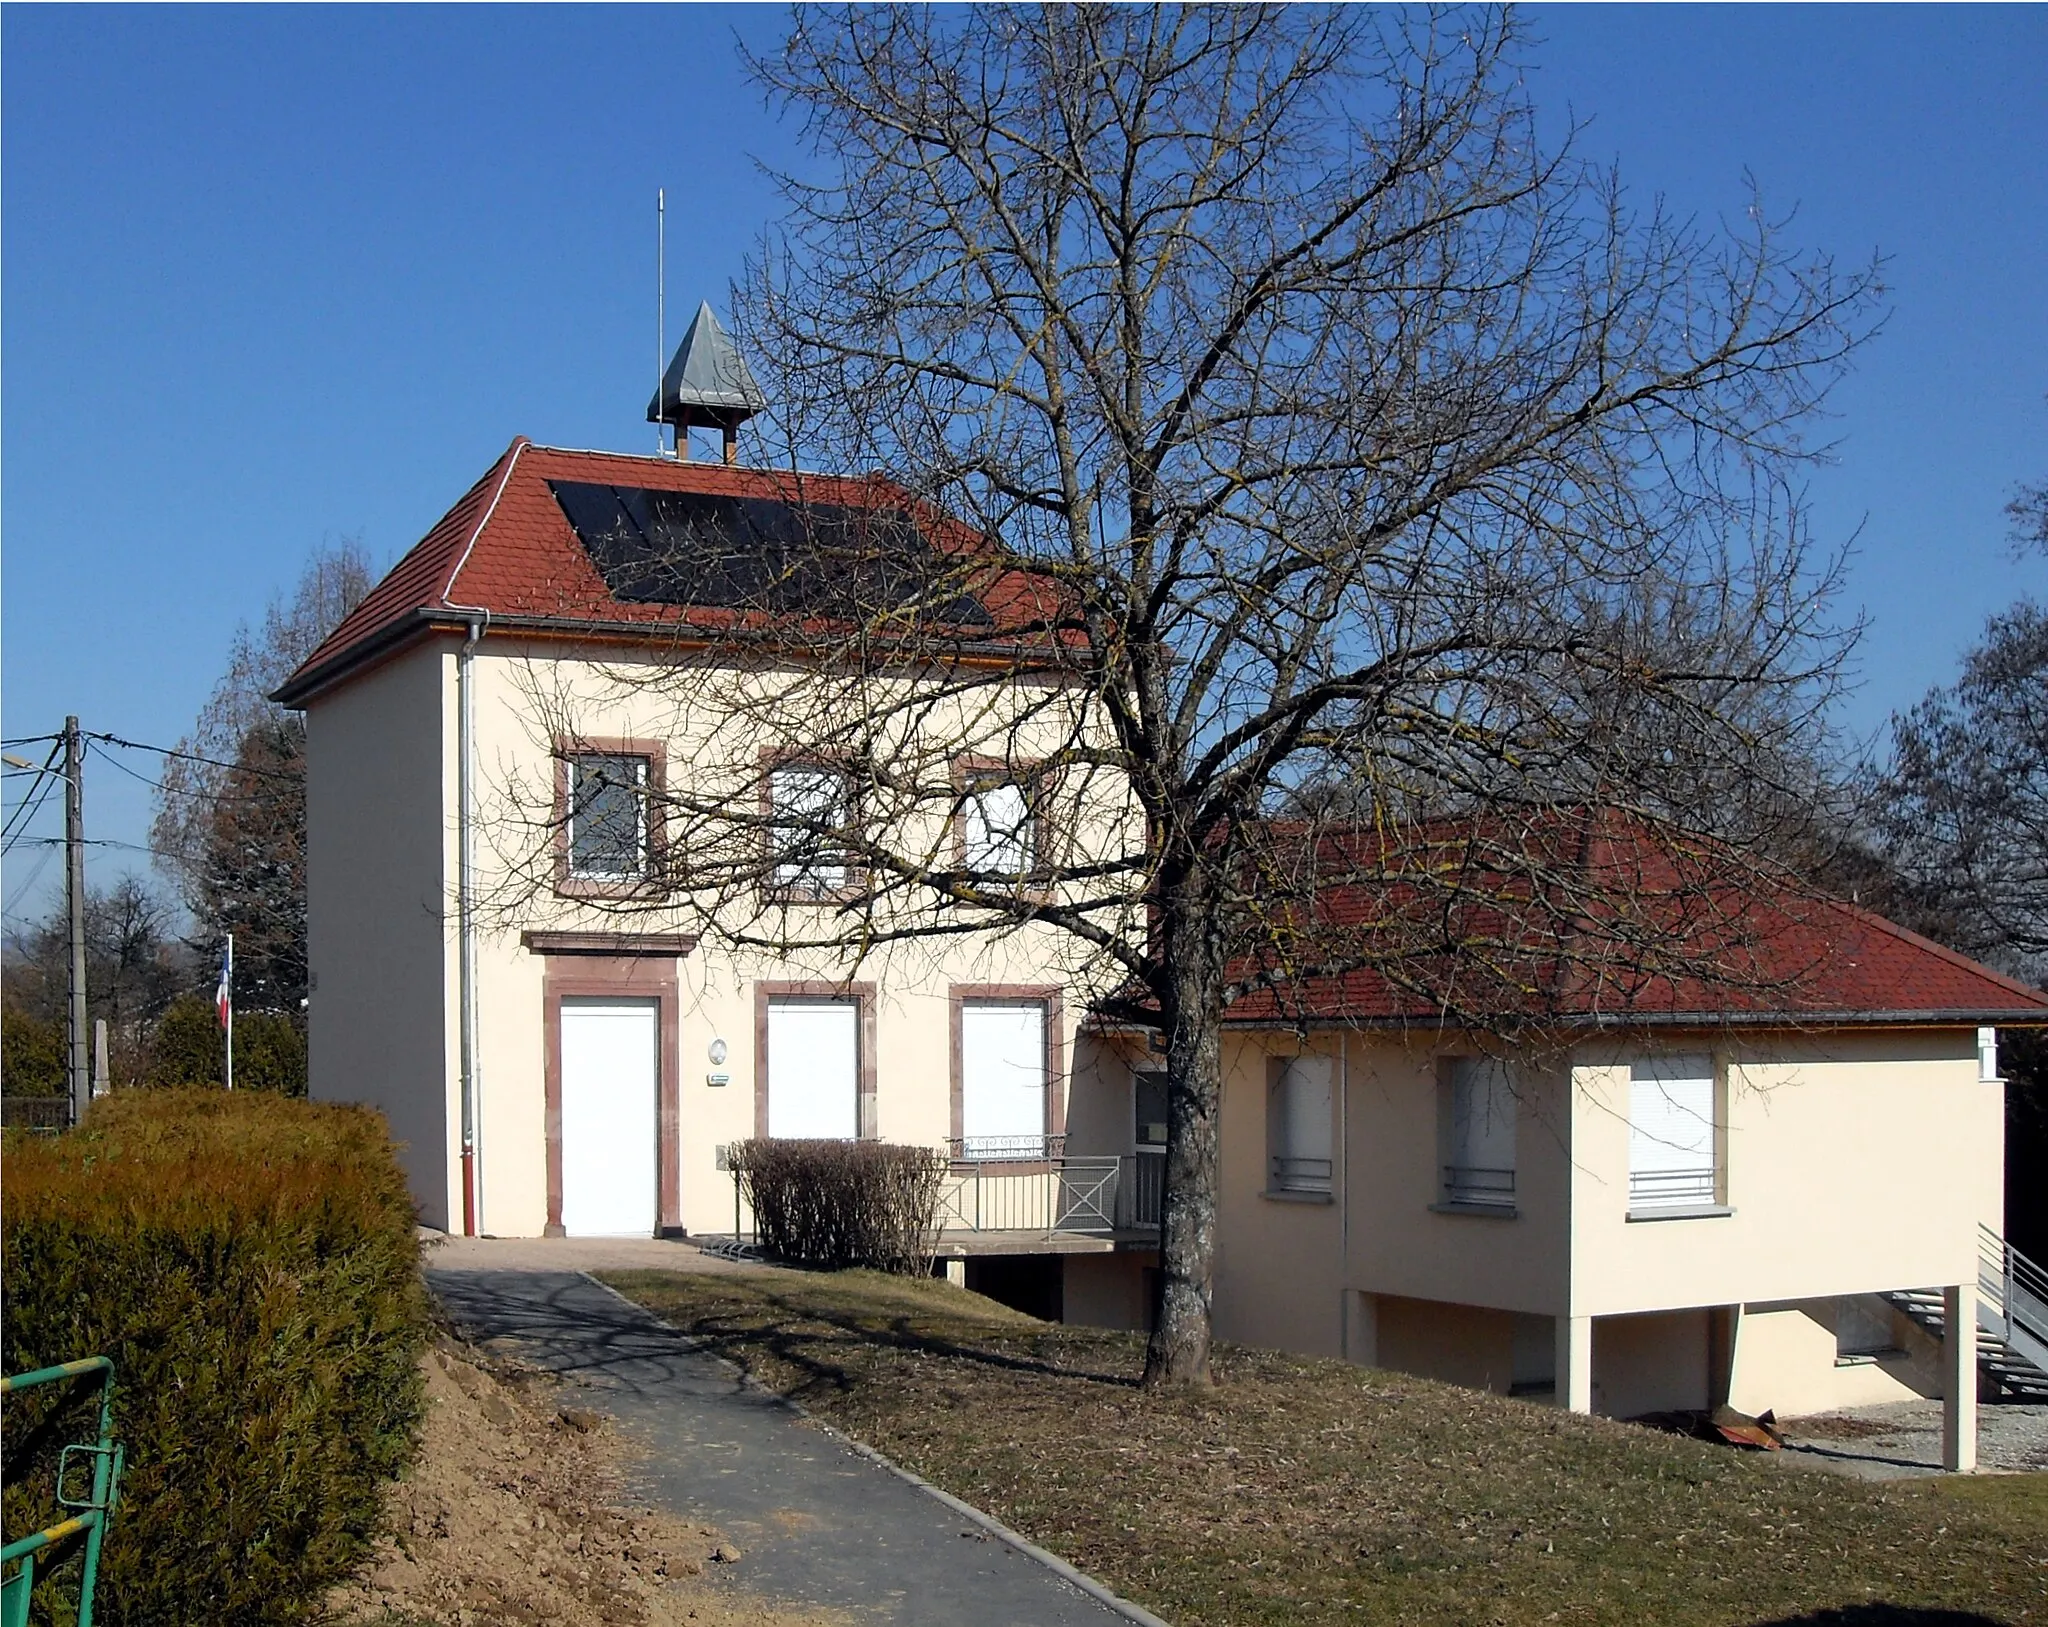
(1178, 1352)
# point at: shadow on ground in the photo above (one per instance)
(804, 1337)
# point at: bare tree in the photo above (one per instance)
(1963, 810)
(2028, 512)
(134, 967)
(230, 826)
(1326, 443)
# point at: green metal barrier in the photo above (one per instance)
(87, 1527)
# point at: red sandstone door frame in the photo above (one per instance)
(616, 966)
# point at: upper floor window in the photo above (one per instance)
(1477, 1118)
(1672, 1145)
(1148, 1103)
(999, 827)
(608, 816)
(1300, 1110)
(811, 811)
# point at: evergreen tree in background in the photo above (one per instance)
(230, 830)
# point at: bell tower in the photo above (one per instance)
(706, 384)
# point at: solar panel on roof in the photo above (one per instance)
(756, 553)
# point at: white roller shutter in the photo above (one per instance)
(1671, 1132)
(1002, 1080)
(814, 1069)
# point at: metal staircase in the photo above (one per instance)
(2012, 1316)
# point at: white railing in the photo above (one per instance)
(1653, 1188)
(1007, 1149)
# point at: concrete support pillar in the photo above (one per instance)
(956, 1271)
(1575, 1363)
(1959, 1378)
(1361, 1328)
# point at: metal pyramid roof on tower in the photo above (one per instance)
(707, 382)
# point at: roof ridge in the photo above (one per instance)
(668, 461)
(508, 461)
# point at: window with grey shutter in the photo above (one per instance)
(1478, 1109)
(1300, 1122)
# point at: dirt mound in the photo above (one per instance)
(516, 1513)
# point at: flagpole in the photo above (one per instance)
(228, 982)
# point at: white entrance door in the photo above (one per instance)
(1002, 1080)
(608, 1117)
(814, 1069)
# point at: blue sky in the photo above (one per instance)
(273, 275)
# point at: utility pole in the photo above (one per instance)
(80, 1035)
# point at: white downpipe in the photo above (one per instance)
(465, 916)
(479, 619)
(1343, 1172)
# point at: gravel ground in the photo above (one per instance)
(1903, 1438)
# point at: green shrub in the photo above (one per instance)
(32, 1061)
(834, 1204)
(188, 1048)
(251, 1265)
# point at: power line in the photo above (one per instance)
(192, 757)
(199, 791)
(35, 875)
(91, 841)
(22, 816)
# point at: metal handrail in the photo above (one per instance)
(1090, 1195)
(2015, 1287)
(90, 1512)
(1695, 1185)
(1141, 1191)
(1477, 1184)
(45, 1114)
(1300, 1174)
(1006, 1149)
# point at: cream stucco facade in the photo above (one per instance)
(1849, 1161)
(383, 795)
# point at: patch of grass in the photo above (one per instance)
(1302, 1492)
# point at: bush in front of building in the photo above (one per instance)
(838, 1204)
(251, 1264)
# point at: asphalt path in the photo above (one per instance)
(816, 1522)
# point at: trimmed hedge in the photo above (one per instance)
(251, 1264)
(834, 1204)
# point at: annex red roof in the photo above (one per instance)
(1605, 921)
(507, 548)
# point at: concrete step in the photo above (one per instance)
(2012, 1371)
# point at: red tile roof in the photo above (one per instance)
(1618, 924)
(1424, 944)
(506, 548)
